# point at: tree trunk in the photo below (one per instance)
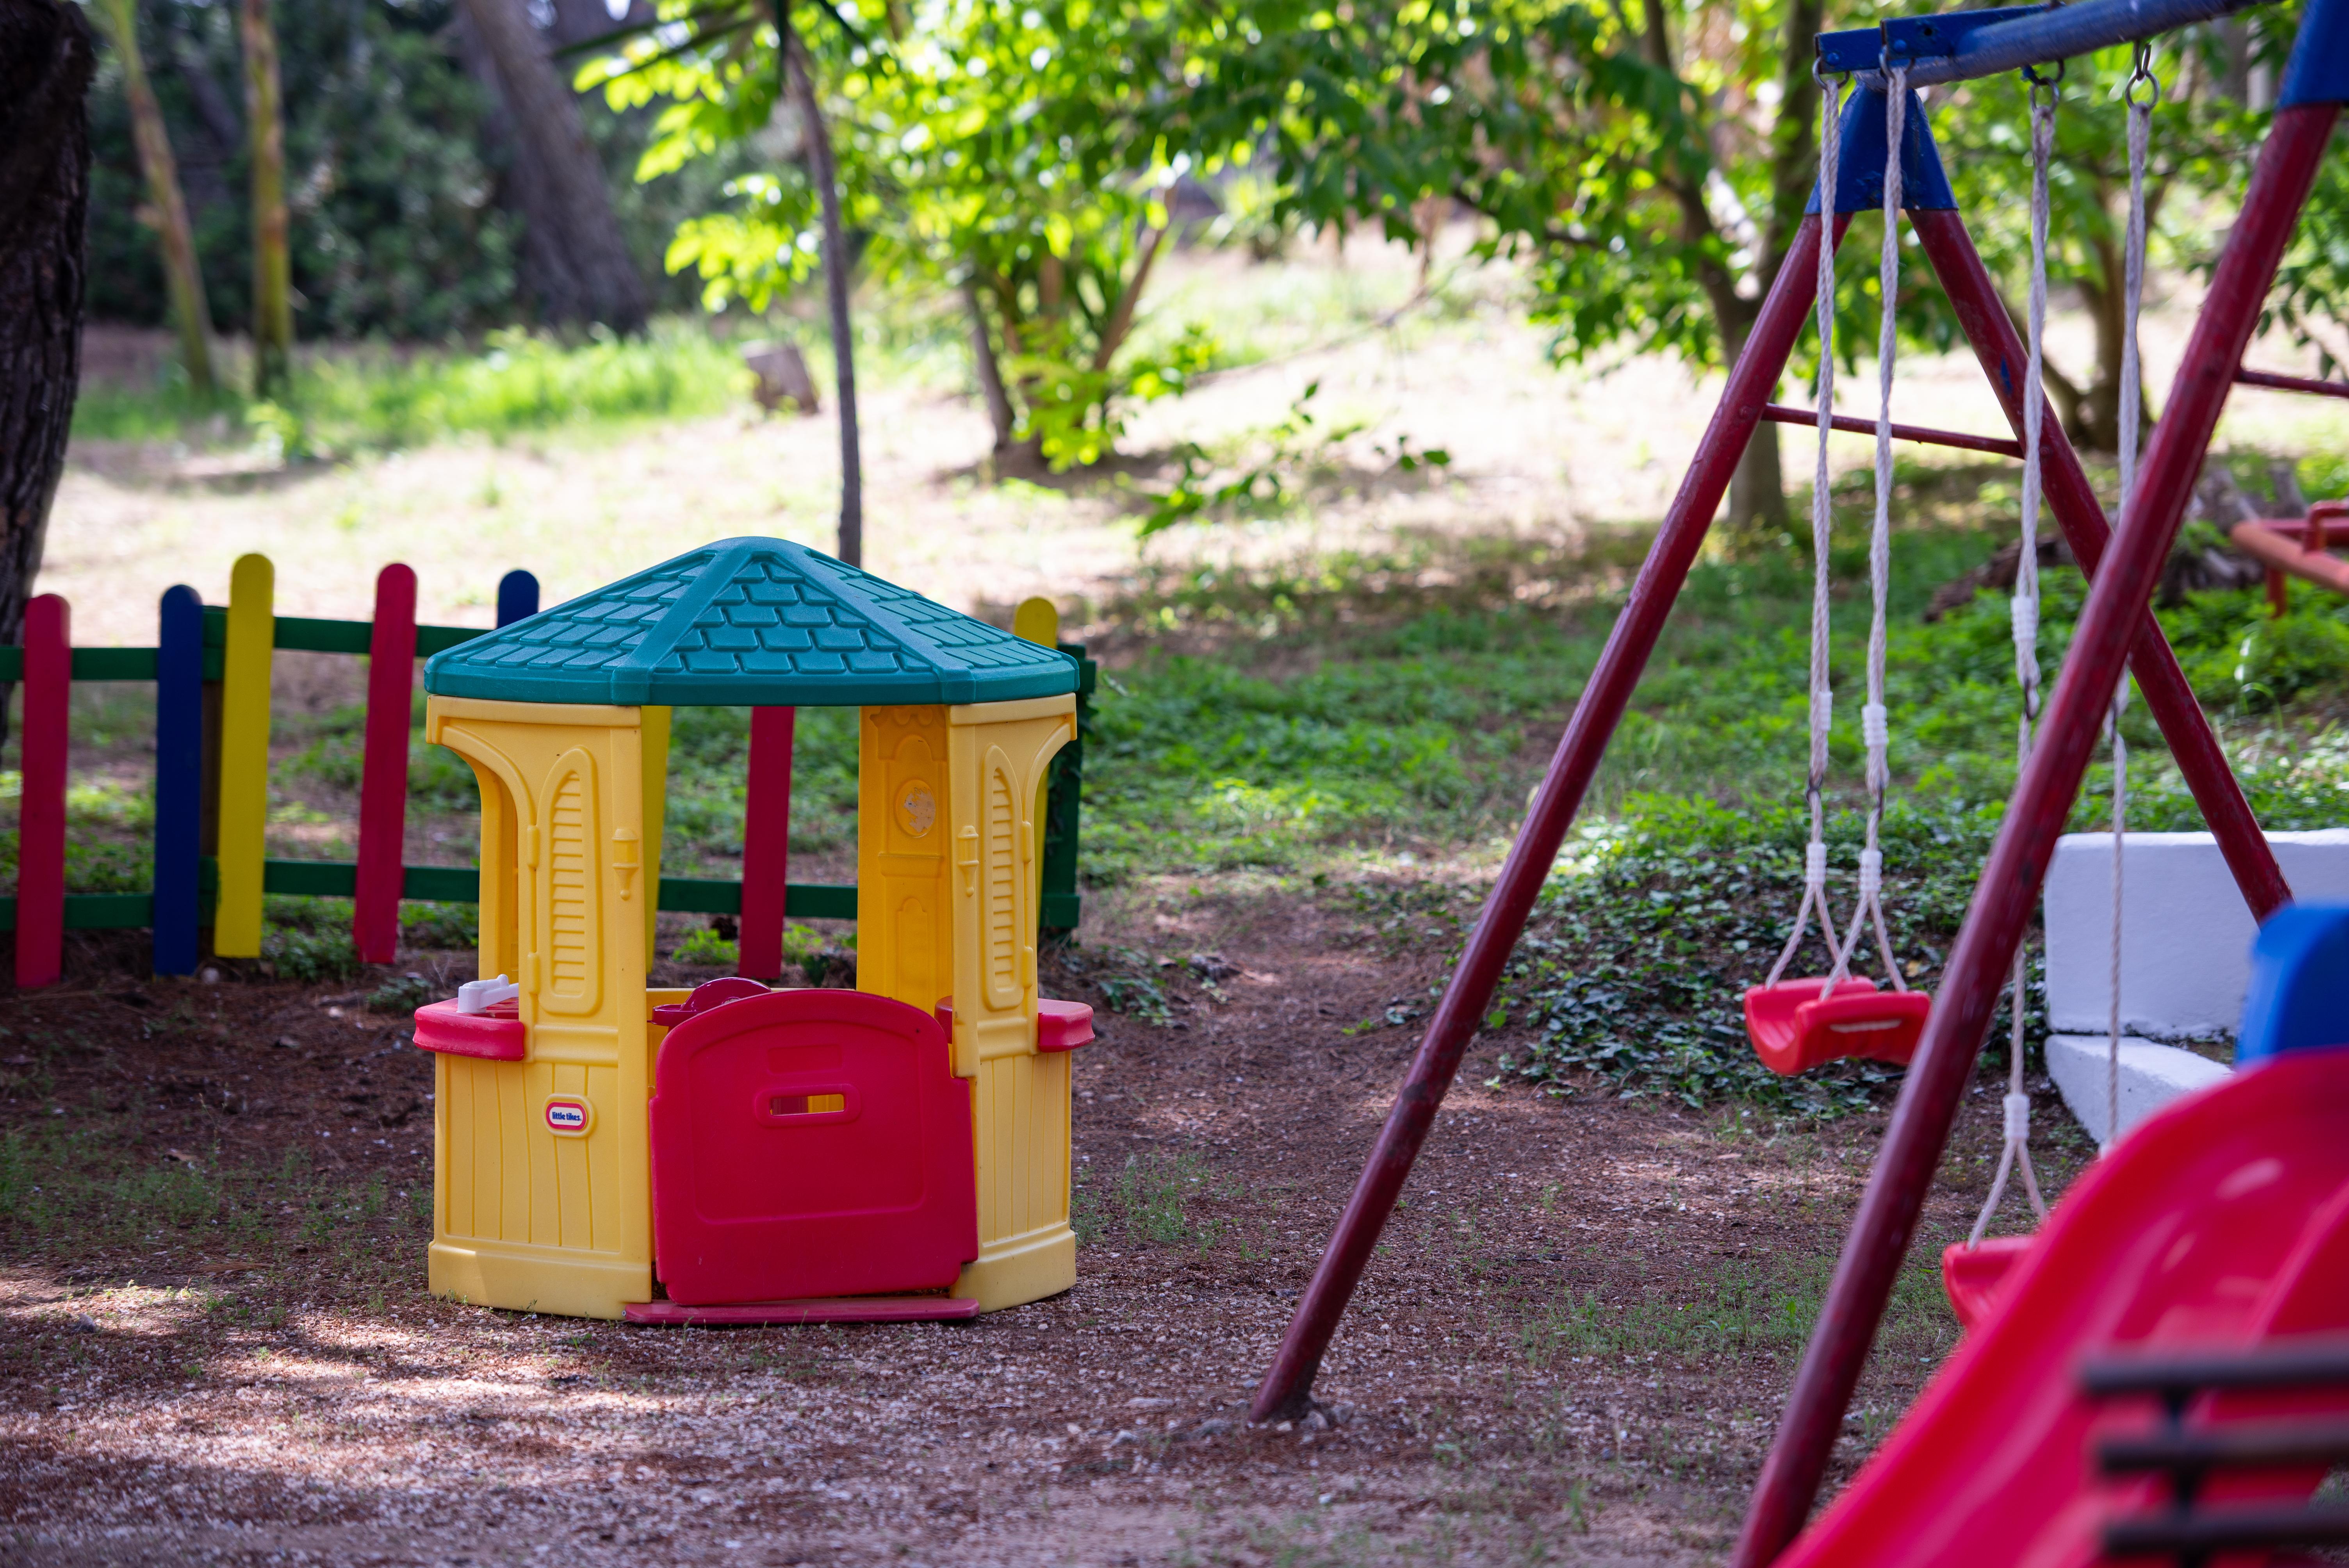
(172, 230)
(800, 84)
(1757, 486)
(203, 159)
(989, 371)
(580, 268)
(1758, 497)
(1129, 298)
(273, 269)
(2092, 415)
(1757, 489)
(2095, 423)
(1794, 137)
(45, 63)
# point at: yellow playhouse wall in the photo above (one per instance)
(947, 841)
(524, 1217)
(999, 753)
(903, 935)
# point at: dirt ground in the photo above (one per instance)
(1570, 1348)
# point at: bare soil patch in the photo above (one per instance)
(1570, 1348)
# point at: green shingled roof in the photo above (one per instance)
(760, 622)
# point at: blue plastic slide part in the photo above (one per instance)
(2299, 998)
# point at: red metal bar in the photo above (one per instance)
(1779, 413)
(41, 816)
(2009, 889)
(2308, 383)
(383, 767)
(2270, 543)
(1288, 1385)
(1988, 325)
(766, 843)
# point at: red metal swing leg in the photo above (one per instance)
(1288, 1385)
(2009, 889)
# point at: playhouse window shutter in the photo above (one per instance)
(999, 882)
(571, 934)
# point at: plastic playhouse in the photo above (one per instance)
(605, 1149)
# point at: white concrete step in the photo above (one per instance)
(2151, 1076)
(2186, 959)
(2185, 937)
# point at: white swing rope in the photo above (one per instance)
(1873, 726)
(1814, 853)
(2023, 610)
(2142, 93)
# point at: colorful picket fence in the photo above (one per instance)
(211, 670)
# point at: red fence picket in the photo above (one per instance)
(383, 772)
(41, 820)
(766, 842)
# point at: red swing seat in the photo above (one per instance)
(1795, 1028)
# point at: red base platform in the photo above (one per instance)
(814, 1309)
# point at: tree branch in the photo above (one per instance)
(1121, 315)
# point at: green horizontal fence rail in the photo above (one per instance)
(429, 884)
(296, 633)
(1060, 906)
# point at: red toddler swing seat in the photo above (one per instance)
(1794, 1026)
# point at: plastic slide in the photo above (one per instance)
(2218, 1223)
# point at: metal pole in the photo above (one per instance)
(2307, 383)
(1987, 325)
(1286, 1390)
(2009, 889)
(1924, 435)
(2060, 32)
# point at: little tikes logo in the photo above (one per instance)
(567, 1116)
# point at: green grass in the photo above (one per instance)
(367, 397)
(1738, 1312)
(91, 1181)
(352, 397)
(1338, 715)
(1147, 1201)
(1428, 729)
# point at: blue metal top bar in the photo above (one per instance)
(1945, 49)
(1909, 39)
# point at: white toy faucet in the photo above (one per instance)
(481, 995)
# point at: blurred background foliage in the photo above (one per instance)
(1025, 164)
(394, 175)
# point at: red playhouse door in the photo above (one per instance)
(810, 1143)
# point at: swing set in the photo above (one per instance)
(2170, 1179)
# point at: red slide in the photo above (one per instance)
(2219, 1224)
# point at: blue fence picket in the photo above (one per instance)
(517, 597)
(179, 780)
